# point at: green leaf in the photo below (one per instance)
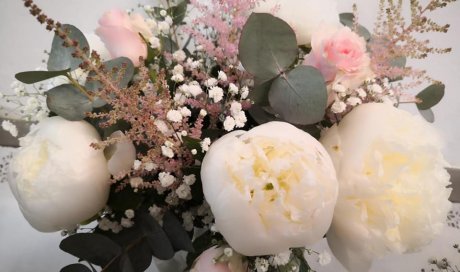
(114, 67)
(60, 57)
(157, 239)
(92, 247)
(299, 96)
(68, 102)
(124, 199)
(200, 244)
(430, 96)
(399, 62)
(260, 92)
(428, 115)
(267, 46)
(347, 20)
(178, 12)
(75, 268)
(176, 233)
(192, 143)
(31, 77)
(168, 45)
(262, 115)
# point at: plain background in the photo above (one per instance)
(23, 40)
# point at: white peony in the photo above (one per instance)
(58, 179)
(392, 184)
(304, 16)
(270, 189)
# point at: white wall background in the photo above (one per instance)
(22, 41)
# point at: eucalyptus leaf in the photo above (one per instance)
(192, 143)
(60, 57)
(178, 12)
(430, 96)
(92, 247)
(267, 46)
(176, 233)
(347, 20)
(114, 67)
(124, 199)
(75, 268)
(260, 92)
(168, 45)
(158, 241)
(68, 102)
(428, 115)
(299, 96)
(200, 244)
(31, 77)
(138, 258)
(261, 115)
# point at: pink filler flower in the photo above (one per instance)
(340, 55)
(120, 34)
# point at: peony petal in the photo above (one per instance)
(124, 155)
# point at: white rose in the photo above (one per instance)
(392, 184)
(270, 189)
(304, 16)
(58, 179)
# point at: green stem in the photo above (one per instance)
(79, 87)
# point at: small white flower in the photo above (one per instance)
(232, 88)
(211, 82)
(174, 116)
(179, 56)
(126, 223)
(376, 88)
(150, 166)
(155, 212)
(189, 179)
(179, 98)
(339, 88)
(185, 112)
(184, 192)
(282, 258)
(129, 213)
(163, 27)
(203, 112)
(324, 258)
(105, 224)
(361, 92)
(167, 151)
(229, 123)
(178, 69)
(216, 93)
(188, 221)
(194, 88)
(194, 152)
(240, 119)
(154, 42)
(244, 92)
(262, 265)
(163, 13)
(177, 78)
(135, 182)
(235, 108)
(222, 76)
(166, 179)
(354, 101)
(205, 144)
(10, 127)
(338, 107)
(228, 252)
(169, 20)
(183, 133)
(137, 164)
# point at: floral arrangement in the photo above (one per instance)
(240, 132)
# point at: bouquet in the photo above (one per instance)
(236, 133)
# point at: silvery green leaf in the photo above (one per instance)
(31, 77)
(430, 96)
(299, 96)
(428, 115)
(114, 67)
(68, 102)
(60, 57)
(267, 46)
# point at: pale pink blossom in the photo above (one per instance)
(120, 33)
(340, 55)
(206, 262)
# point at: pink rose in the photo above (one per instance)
(340, 54)
(206, 261)
(120, 33)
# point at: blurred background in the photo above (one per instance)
(23, 41)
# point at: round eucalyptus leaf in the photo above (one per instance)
(259, 95)
(114, 67)
(299, 96)
(428, 115)
(60, 57)
(68, 102)
(430, 96)
(267, 46)
(75, 268)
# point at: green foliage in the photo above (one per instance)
(92, 247)
(114, 67)
(260, 92)
(347, 20)
(68, 102)
(124, 199)
(31, 77)
(200, 244)
(267, 46)
(168, 45)
(178, 12)
(60, 57)
(156, 237)
(75, 268)
(192, 143)
(428, 115)
(299, 96)
(430, 96)
(262, 115)
(176, 233)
